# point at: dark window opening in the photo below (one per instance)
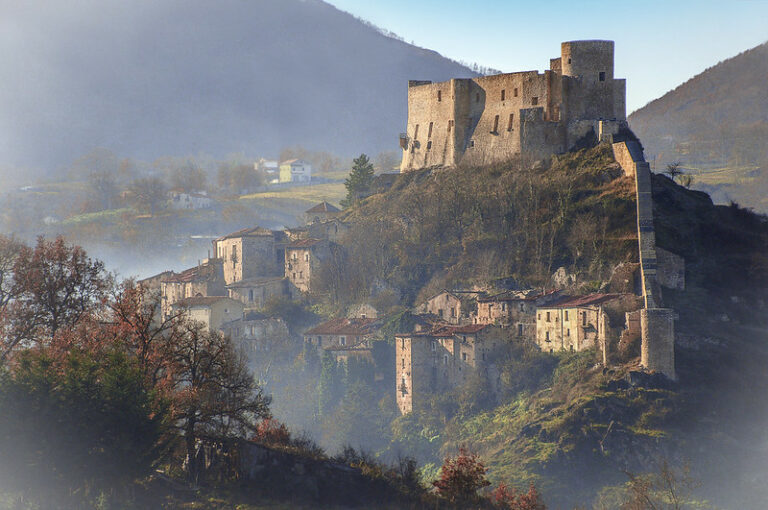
(511, 121)
(450, 125)
(429, 133)
(569, 60)
(496, 124)
(602, 76)
(534, 101)
(429, 145)
(416, 132)
(514, 92)
(503, 94)
(439, 96)
(471, 143)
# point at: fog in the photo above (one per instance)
(172, 77)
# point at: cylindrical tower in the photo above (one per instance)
(590, 60)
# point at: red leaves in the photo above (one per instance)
(461, 477)
(510, 498)
(270, 431)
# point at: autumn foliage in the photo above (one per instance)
(461, 477)
(512, 499)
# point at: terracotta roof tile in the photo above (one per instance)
(344, 326)
(576, 301)
(323, 207)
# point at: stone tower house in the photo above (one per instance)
(489, 119)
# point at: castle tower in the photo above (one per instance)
(587, 60)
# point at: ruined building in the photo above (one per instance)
(486, 120)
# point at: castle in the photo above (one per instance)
(486, 120)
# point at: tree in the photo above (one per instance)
(511, 499)
(674, 169)
(58, 286)
(214, 394)
(10, 249)
(103, 186)
(148, 194)
(461, 477)
(189, 178)
(666, 489)
(83, 423)
(360, 179)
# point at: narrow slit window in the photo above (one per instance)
(429, 133)
(511, 121)
(429, 145)
(450, 126)
(503, 94)
(601, 76)
(496, 124)
(514, 92)
(416, 132)
(439, 95)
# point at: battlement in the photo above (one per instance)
(494, 118)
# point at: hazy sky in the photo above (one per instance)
(659, 44)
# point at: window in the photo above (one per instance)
(471, 143)
(534, 101)
(571, 348)
(306, 257)
(566, 315)
(521, 307)
(514, 92)
(464, 338)
(250, 295)
(548, 317)
(464, 356)
(453, 312)
(402, 364)
(416, 132)
(402, 343)
(295, 256)
(445, 359)
(511, 122)
(519, 330)
(429, 145)
(450, 125)
(584, 318)
(483, 356)
(301, 274)
(569, 60)
(601, 76)
(429, 133)
(539, 315)
(440, 312)
(547, 336)
(503, 307)
(434, 346)
(495, 124)
(568, 332)
(439, 95)
(343, 340)
(503, 94)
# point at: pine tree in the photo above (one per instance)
(360, 179)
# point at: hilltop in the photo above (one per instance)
(149, 79)
(563, 421)
(715, 124)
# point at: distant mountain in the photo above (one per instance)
(175, 77)
(716, 124)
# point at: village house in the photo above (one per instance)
(578, 323)
(181, 200)
(343, 332)
(212, 311)
(440, 359)
(445, 305)
(254, 292)
(256, 333)
(295, 170)
(321, 212)
(270, 168)
(302, 259)
(330, 230)
(249, 253)
(204, 280)
(362, 311)
(515, 309)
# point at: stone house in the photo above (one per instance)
(295, 170)
(343, 332)
(362, 311)
(254, 292)
(249, 253)
(213, 311)
(204, 280)
(445, 305)
(302, 259)
(516, 309)
(321, 212)
(331, 230)
(577, 323)
(485, 120)
(256, 333)
(440, 359)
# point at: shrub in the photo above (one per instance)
(461, 477)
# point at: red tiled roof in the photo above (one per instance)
(344, 326)
(445, 331)
(515, 295)
(247, 232)
(304, 243)
(201, 301)
(577, 301)
(323, 207)
(192, 274)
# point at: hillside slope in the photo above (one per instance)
(564, 421)
(152, 78)
(715, 124)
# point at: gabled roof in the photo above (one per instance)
(323, 207)
(467, 329)
(202, 301)
(248, 232)
(517, 295)
(578, 301)
(254, 282)
(193, 274)
(294, 162)
(304, 243)
(344, 326)
(444, 291)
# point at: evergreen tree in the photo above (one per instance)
(360, 179)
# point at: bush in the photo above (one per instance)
(461, 477)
